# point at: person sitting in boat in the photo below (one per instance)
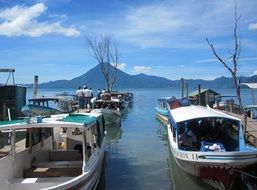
(188, 140)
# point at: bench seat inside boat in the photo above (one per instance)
(60, 163)
(52, 172)
(65, 155)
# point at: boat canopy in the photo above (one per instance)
(63, 120)
(193, 112)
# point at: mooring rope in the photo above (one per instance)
(244, 173)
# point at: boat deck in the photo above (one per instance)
(251, 128)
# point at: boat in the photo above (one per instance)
(209, 144)
(125, 98)
(162, 109)
(64, 151)
(110, 108)
(164, 103)
(46, 106)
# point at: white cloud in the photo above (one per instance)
(252, 26)
(255, 72)
(122, 66)
(177, 24)
(142, 69)
(22, 20)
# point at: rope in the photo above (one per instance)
(244, 173)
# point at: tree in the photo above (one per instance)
(234, 58)
(106, 53)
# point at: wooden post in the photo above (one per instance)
(199, 94)
(245, 123)
(207, 98)
(182, 80)
(35, 86)
(187, 89)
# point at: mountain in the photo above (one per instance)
(95, 79)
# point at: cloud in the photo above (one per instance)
(176, 24)
(122, 66)
(22, 20)
(142, 69)
(252, 26)
(255, 72)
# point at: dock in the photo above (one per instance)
(251, 128)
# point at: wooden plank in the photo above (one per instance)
(251, 128)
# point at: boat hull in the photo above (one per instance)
(216, 168)
(162, 115)
(110, 116)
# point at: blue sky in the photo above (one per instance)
(157, 37)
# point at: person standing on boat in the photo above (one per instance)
(87, 96)
(80, 97)
(98, 96)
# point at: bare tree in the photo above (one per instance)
(234, 58)
(106, 53)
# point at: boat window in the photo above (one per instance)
(5, 143)
(20, 139)
(36, 135)
(174, 132)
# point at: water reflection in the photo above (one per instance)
(179, 179)
(182, 180)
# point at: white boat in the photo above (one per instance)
(61, 152)
(109, 108)
(218, 148)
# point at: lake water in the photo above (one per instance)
(138, 155)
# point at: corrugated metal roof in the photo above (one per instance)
(195, 93)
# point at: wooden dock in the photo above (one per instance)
(251, 128)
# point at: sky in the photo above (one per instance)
(165, 38)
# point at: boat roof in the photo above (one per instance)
(112, 100)
(193, 112)
(49, 98)
(61, 120)
(195, 93)
(167, 98)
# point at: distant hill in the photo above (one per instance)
(94, 79)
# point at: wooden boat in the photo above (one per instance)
(167, 103)
(61, 152)
(48, 106)
(110, 108)
(162, 110)
(214, 148)
(125, 98)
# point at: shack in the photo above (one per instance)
(12, 98)
(207, 96)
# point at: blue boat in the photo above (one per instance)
(162, 110)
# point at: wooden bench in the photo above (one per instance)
(65, 155)
(58, 164)
(52, 172)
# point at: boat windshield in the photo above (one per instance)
(196, 132)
